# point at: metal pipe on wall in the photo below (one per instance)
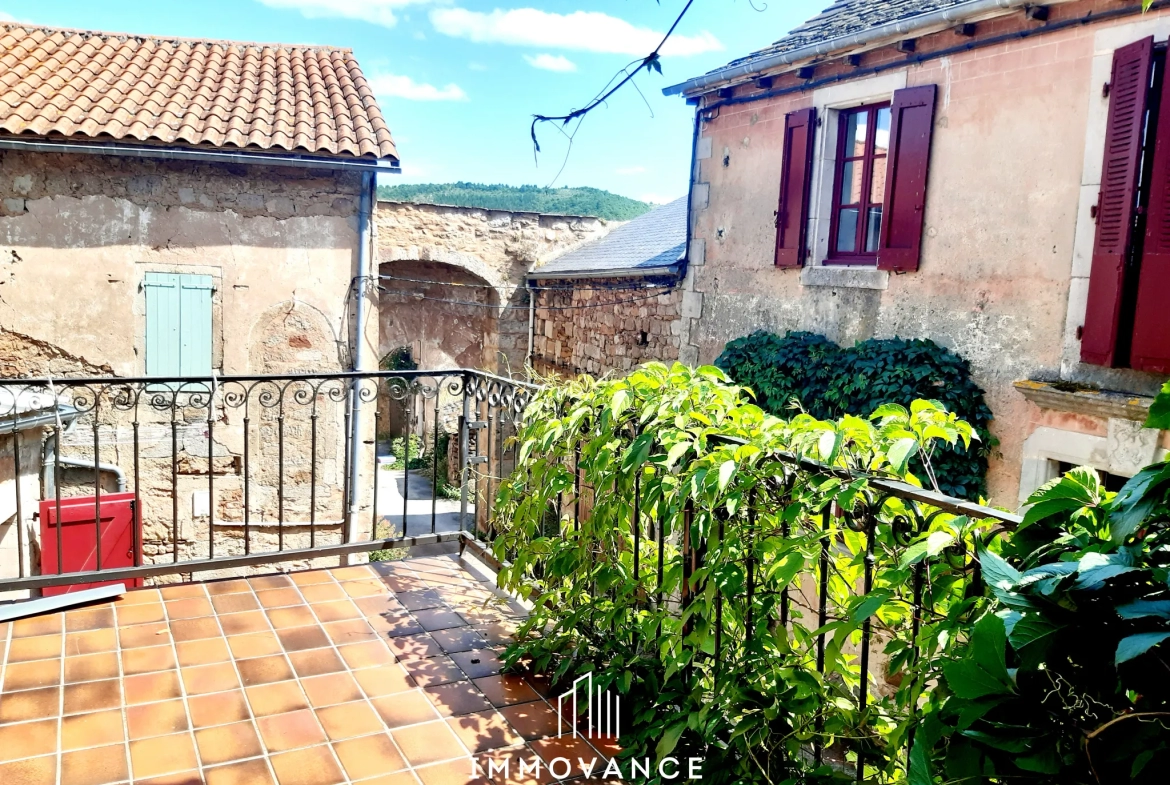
(365, 220)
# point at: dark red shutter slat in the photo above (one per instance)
(1150, 350)
(911, 127)
(795, 181)
(1128, 88)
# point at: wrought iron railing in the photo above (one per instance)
(130, 479)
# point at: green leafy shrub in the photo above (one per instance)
(828, 382)
(707, 671)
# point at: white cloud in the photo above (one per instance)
(396, 86)
(547, 62)
(588, 31)
(379, 12)
(626, 170)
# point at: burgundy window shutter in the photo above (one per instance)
(1116, 202)
(795, 181)
(1150, 350)
(911, 127)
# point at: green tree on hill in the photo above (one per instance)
(525, 198)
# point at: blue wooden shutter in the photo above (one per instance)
(178, 324)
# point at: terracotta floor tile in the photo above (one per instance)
(89, 642)
(141, 635)
(366, 655)
(257, 644)
(484, 730)
(458, 639)
(313, 766)
(98, 766)
(243, 623)
(28, 675)
(394, 624)
(290, 731)
(30, 704)
(347, 720)
(414, 646)
(217, 709)
(438, 619)
(150, 687)
(400, 583)
(300, 638)
(420, 599)
(368, 587)
(455, 772)
(162, 755)
(194, 629)
(323, 592)
(149, 613)
(148, 660)
(294, 616)
(433, 671)
(235, 603)
(369, 756)
(375, 606)
(355, 573)
(95, 618)
(569, 747)
(460, 697)
(25, 739)
(506, 689)
(31, 771)
(233, 586)
(226, 743)
(92, 730)
(330, 689)
(182, 591)
(156, 719)
(263, 670)
(203, 652)
(315, 662)
(91, 667)
(478, 663)
(191, 608)
(47, 624)
(277, 698)
(500, 633)
(266, 582)
(138, 596)
(201, 679)
(311, 577)
(386, 680)
(336, 611)
(406, 708)
(248, 772)
(513, 756)
(176, 778)
(532, 720)
(397, 778)
(92, 696)
(41, 647)
(351, 631)
(279, 598)
(428, 743)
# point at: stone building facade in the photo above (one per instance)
(1008, 208)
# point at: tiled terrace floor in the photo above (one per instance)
(385, 674)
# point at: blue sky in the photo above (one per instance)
(459, 80)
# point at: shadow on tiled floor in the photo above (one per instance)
(385, 674)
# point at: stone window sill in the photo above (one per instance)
(1103, 403)
(845, 277)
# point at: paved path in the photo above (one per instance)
(418, 506)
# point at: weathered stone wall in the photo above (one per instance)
(487, 252)
(1014, 167)
(77, 235)
(578, 331)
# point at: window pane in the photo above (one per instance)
(855, 129)
(881, 136)
(847, 230)
(877, 181)
(873, 227)
(851, 182)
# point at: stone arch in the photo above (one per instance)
(293, 337)
(452, 323)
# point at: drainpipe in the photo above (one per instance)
(85, 463)
(531, 321)
(365, 219)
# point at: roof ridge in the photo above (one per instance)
(168, 39)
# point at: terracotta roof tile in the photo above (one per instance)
(88, 84)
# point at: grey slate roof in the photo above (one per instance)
(845, 18)
(652, 240)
